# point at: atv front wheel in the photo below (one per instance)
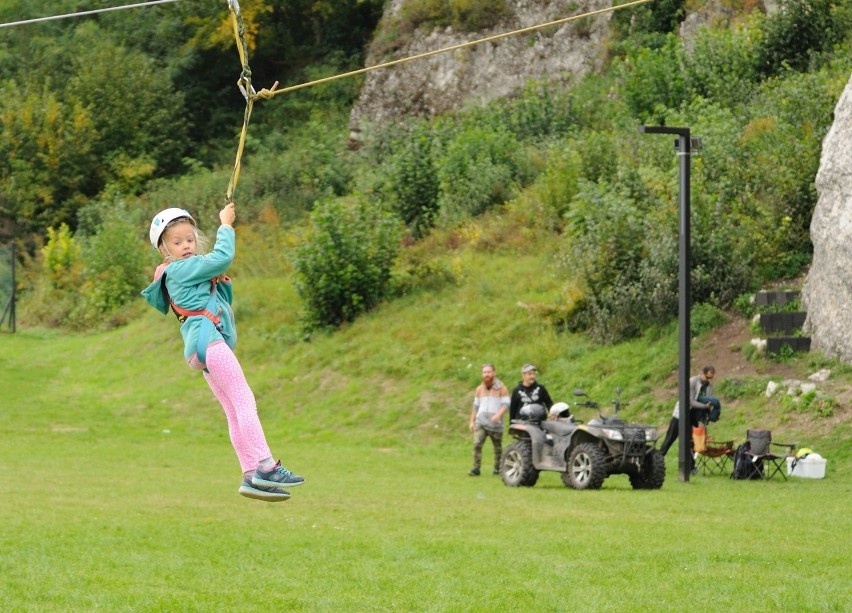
(586, 468)
(516, 465)
(652, 474)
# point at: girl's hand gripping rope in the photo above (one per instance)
(228, 214)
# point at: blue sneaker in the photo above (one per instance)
(268, 494)
(276, 476)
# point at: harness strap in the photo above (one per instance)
(207, 325)
(211, 320)
(211, 311)
(206, 312)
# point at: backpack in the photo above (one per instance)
(745, 467)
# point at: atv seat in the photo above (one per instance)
(558, 427)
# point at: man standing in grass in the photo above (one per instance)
(490, 401)
(704, 406)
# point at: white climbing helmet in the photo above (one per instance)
(557, 409)
(163, 219)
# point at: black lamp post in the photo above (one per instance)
(683, 145)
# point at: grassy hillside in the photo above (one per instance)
(403, 372)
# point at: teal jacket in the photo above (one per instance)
(188, 285)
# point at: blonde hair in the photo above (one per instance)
(202, 243)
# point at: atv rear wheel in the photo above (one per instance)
(516, 465)
(586, 468)
(652, 474)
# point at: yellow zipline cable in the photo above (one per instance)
(244, 82)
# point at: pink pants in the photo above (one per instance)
(225, 377)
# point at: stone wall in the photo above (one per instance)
(827, 292)
(478, 74)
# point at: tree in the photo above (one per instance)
(138, 113)
(46, 157)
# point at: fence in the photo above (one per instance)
(7, 286)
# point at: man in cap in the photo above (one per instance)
(528, 391)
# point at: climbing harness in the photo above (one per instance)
(210, 315)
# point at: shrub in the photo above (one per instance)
(414, 183)
(704, 317)
(415, 273)
(88, 280)
(294, 172)
(786, 134)
(743, 305)
(463, 15)
(603, 249)
(201, 192)
(474, 15)
(538, 112)
(654, 80)
(800, 31)
(546, 202)
(478, 169)
(622, 244)
(733, 389)
(599, 159)
(415, 13)
(343, 265)
(114, 261)
(62, 254)
(723, 64)
(647, 25)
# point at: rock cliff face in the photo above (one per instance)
(477, 74)
(827, 293)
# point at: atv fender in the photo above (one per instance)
(582, 435)
(542, 457)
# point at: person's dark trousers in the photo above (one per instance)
(698, 417)
(671, 436)
(716, 407)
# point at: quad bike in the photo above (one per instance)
(585, 453)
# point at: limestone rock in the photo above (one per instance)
(793, 386)
(771, 388)
(484, 72)
(820, 376)
(827, 292)
(807, 388)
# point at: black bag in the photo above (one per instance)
(745, 466)
(715, 414)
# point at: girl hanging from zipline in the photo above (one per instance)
(194, 287)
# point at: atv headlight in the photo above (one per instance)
(650, 434)
(615, 435)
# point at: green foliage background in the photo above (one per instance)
(108, 123)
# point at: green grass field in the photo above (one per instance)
(118, 486)
(148, 521)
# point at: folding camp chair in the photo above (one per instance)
(761, 454)
(715, 458)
